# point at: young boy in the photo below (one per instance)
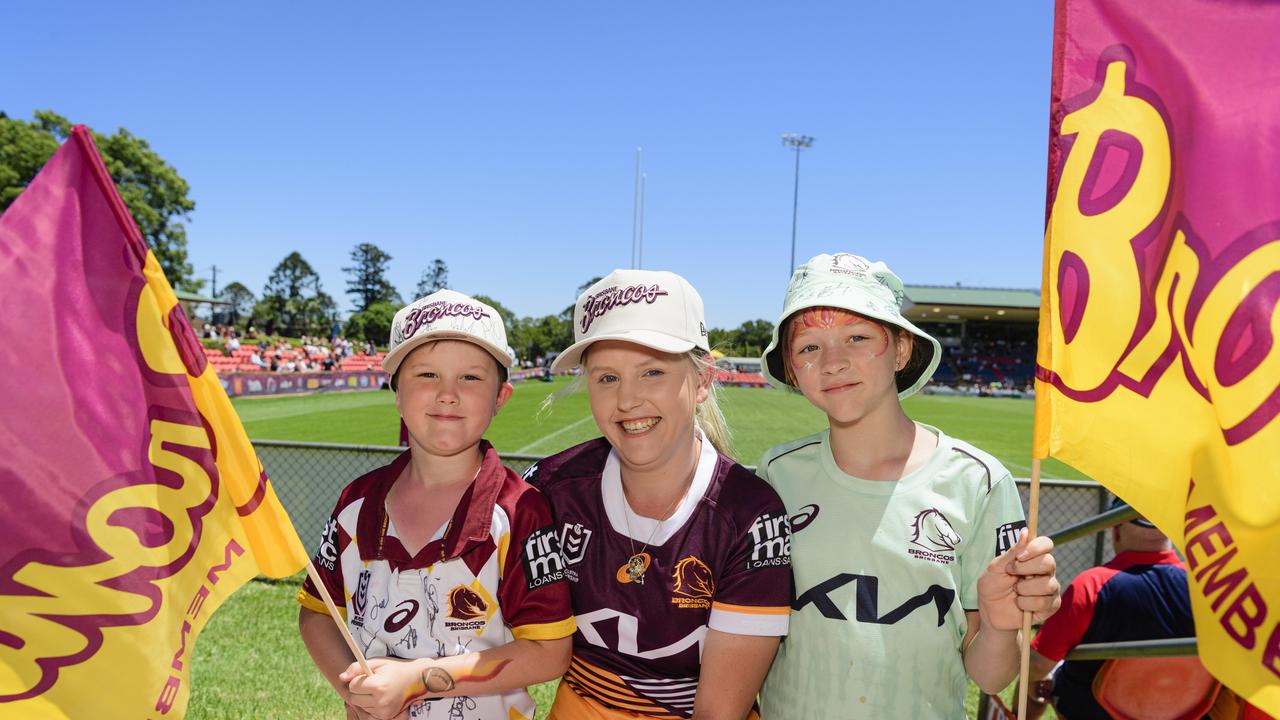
(911, 564)
(444, 560)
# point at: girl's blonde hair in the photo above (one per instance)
(706, 414)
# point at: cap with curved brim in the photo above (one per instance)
(572, 355)
(391, 362)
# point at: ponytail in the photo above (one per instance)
(707, 414)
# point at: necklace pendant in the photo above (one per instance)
(636, 568)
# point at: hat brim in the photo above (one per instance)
(391, 362)
(855, 300)
(572, 355)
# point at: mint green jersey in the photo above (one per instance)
(884, 571)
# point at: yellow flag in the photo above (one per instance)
(1159, 363)
(134, 503)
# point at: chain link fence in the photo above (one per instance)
(309, 476)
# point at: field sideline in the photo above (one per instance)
(759, 419)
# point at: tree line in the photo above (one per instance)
(293, 301)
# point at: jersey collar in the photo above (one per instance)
(470, 525)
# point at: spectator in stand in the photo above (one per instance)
(233, 344)
(256, 359)
(251, 333)
(275, 363)
(1140, 595)
(328, 364)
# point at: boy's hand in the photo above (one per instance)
(1020, 579)
(386, 693)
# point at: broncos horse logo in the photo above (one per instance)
(932, 531)
(693, 579)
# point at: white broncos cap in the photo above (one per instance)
(654, 308)
(446, 315)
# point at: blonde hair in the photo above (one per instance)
(706, 414)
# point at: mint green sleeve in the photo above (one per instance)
(762, 467)
(1000, 518)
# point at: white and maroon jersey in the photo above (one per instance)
(483, 580)
(721, 561)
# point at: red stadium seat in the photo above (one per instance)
(1155, 688)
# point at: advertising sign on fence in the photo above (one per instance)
(250, 384)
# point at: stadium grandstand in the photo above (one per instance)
(988, 335)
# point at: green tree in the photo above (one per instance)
(151, 188)
(240, 307)
(433, 278)
(292, 302)
(368, 283)
(753, 337)
(373, 323)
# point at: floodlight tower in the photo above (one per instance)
(796, 143)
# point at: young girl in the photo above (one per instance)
(911, 564)
(677, 557)
(443, 558)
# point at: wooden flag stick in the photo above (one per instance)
(1024, 663)
(337, 618)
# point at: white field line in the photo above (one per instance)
(561, 431)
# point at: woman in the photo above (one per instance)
(677, 557)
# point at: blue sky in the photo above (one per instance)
(502, 137)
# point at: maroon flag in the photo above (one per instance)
(1159, 363)
(133, 502)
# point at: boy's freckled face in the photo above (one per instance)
(842, 362)
(448, 392)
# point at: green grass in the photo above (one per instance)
(250, 662)
(758, 418)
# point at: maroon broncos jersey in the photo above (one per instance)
(721, 561)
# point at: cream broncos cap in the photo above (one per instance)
(446, 315)
(853, 283)
(654, 308)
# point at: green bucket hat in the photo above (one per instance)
(849, 282)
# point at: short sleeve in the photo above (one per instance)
(1000, 519)
(533, 592)
(752, 595)
(333, 541)
(1064, 629)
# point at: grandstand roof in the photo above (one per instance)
(954, 302)
(986, 297)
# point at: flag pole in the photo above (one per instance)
(337, 619)
(1024, 661)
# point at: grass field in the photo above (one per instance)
(758, 418)
(250, 662)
